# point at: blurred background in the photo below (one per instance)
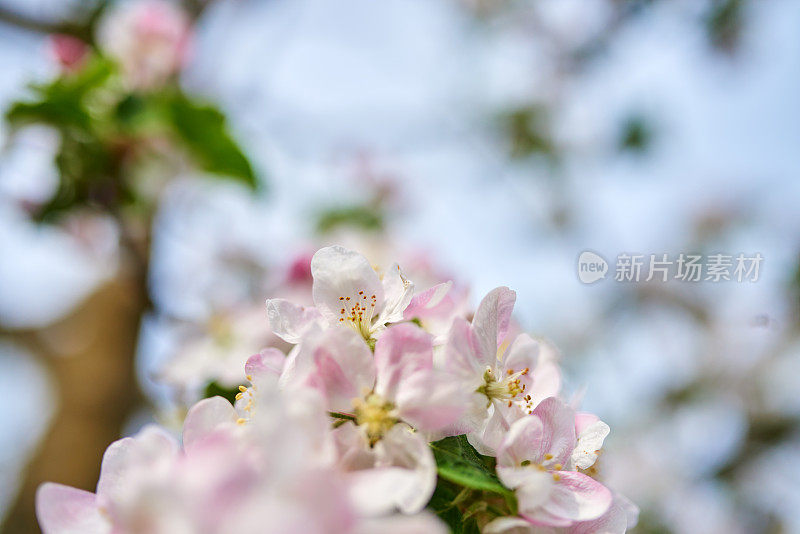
(166, 167)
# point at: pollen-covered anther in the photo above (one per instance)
(375, 415)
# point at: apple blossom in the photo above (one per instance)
(347, 291)
(533, 459)
(149, 39)
(499, 372)
(391, 398)
(335, 436)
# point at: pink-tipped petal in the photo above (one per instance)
(401, 351)
(422, 303)
(462, 356)
(206, 417)
(152, 448)
(614, 521)
(577, 497)
(265, 367)
(64, 510)
(558, 421)
(430, 401)
(493, 317)
(522, 443)
(343, 368)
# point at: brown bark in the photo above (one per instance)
(90, 354)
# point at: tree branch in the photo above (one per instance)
(25, 22)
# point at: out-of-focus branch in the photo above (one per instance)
(25, 22)
(80, 28)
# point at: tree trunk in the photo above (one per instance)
(90, 355)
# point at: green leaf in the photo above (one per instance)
(457, 461)
(214, 389)
(361, 217)
(442, 504)
(203, 130)
(62, 102)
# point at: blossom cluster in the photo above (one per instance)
(388, 399)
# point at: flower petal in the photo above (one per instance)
(290, 321)
(342, 278)
(558, 438)
(401, 351)
(591, 434)
(492, 318)
(398, 291)
(430, 401)
(151, 450)
(523, 354)
(265, 367)
(462, 356)
(614, 521)
(422, 523)
(576, 497)
(343, 367)
(488, 438)
(65, 510)
(532, 487)
(403, 476)
(423, 303)
(510, 525)
(522, 443)
(204, 418)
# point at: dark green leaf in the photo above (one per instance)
(204, 132)
(442, 505)
(457, 461)
(214, 389)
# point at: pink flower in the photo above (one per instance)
(533, 459)
(387, 395)
(265, 476)
(621, 516)
(149, 39)
(500, 372)
(347, 291)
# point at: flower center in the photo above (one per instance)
(548, 465)
(357, 312)
(503, 387)
(247, 397)
(375, 415)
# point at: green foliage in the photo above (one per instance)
(204, 132)
(637, 134)
(107, 132)
(458, 462)
(214, 389)
(529, 133)
(468, 493)
(446, 502)
(361, 217)
(724, 24)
